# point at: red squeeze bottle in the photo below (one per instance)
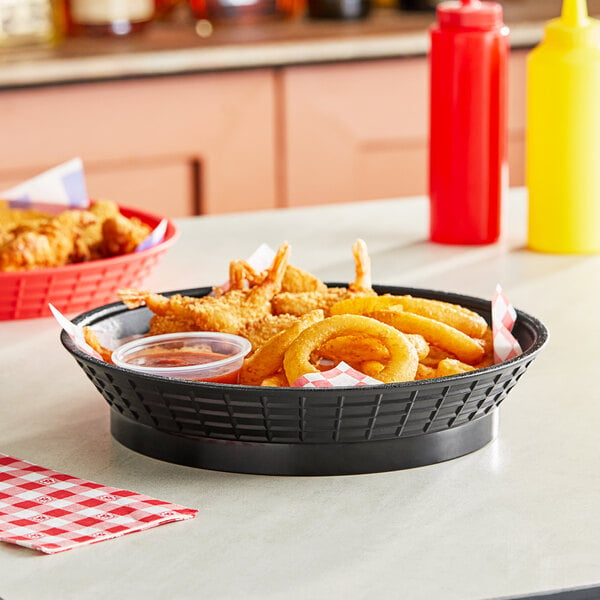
(468, 125)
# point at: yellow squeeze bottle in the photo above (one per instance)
(563, 134)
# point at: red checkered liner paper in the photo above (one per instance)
(342, 375)
(52, 512)
(504, 317)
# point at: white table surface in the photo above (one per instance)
(521, 515)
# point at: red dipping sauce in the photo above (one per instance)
(194, 356)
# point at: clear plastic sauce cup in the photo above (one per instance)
(197, 356)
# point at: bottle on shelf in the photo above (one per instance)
(339, 9)
(241, 12)
(31, 23)
(109, 17)
(418, 5)
(468, 123)
(563, 135)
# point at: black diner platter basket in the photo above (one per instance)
(300, 431)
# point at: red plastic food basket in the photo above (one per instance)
(79, 287)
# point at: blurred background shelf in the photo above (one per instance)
(287, 113)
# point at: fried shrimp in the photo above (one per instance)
(302, 302)
(362, 260)
(297, 326)
(228, 313)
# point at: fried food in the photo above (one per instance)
(259, 332)
(450, 366)
(33, 240)
(296, 281)
(228, 313)
(401, 365)
(304, 301)
(362, 260)
(297, 325)
(365, 305)
(459, 317)
(435, 332)
(11, 217)
(121, 235)
(51, 243)
(92, 340)
(163, 324)
(243, 276)
(268, 359)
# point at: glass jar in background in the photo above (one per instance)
(242, 11)
(31, 22)
(339, 9)
(164, 10)
(109, 17)
(419, 5)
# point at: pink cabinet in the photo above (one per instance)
(359, 131)
(240, 140)
(177, 145)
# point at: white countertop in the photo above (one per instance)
(521, 515)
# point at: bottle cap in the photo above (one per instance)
(470, 14)
(574, 27)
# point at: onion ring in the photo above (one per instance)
(449, 366)
(459, 317)
(465, 348)
(267, 360)
(401, 366)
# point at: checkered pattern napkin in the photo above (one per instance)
(51, 512)
(342, 375)
(504, 317)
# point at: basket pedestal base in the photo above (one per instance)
(305, 458)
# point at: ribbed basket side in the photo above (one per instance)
(291, 416)
(295, 416)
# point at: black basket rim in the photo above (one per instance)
(104, 312)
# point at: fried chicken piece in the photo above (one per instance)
(30, 239)
(11, 217)
(53, 243)
(91, 237)
(122, 235)
(104, 209)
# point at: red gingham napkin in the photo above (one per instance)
(342, 375)
(49, 511)
(503, 320)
